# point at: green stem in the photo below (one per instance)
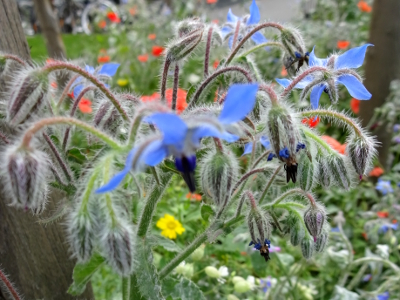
(69, 121)
(151, 202)
(267, 44)
(248, 35)
(89, 189)
(318, 140)
(334, 115)
(134, 289)
(59, 65)
(193, 246)
(271, 180)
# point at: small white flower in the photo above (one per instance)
(223, 271)
(193, 78)
(383, 251)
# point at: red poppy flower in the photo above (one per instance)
(382, 214)
(212, 1)
(311, 122)
(181, 103)
(50, 61)
(157, 50)
(113, 17)
(215, 63)
(85, 106)
(365, 236)
(102, 24)
(216, 21)
(394, 221)
(103, 59)
(152, 36)
(355, 105)
(343, 44)
(191, 196)
(364, 6)
(150, 98)
(54, 84)
(143, 57)
(376, 172)
(334, 144)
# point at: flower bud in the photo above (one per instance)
(198, 253)
(25, 174)
(314, 218)
(27, 94)
(307, 247)
(361, 150)
(182, 47)
(324, 174)
(307, 171)
(242, 286)
(187, 26)
(340, 174)
(80, 228)
(321, 242)
(219, 172)
(212, 272)
(117, 245)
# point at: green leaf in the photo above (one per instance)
(206, 212)
(83, 273)
(191, 92)
(167, 244)
(183, 289)
(146, 273)
(75, 155)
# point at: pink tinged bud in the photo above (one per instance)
(314, 218)
(26, 173)
(26, 98)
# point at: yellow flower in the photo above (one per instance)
(122, 82)
(170, 227)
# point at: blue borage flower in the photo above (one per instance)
(384, 296)
(264, 140)
(351, 59)
(181, 141)
(265, 284)
(249, 22)
(384, 186)
(385, 227)
(105, 71)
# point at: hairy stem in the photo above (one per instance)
(208, 48)
(270, 92)
(271, 180)
(14, 58)
(299, 78)
(9, 285)
(66, 89)
(164, 76)
(244, 178)
(236, 34)
(212, 77)
(30, 132)
(248, 35)
(72, 113)
(266, 153)
(193, 246)
(334, 115)
(100, 85)
(175, 88)
(151, 202)
(57, 155)
(259, 46)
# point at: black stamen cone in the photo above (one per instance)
(291, 172)
(187, 166)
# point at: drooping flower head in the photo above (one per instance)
(247, 23)
(181, 139)
(342, 67)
